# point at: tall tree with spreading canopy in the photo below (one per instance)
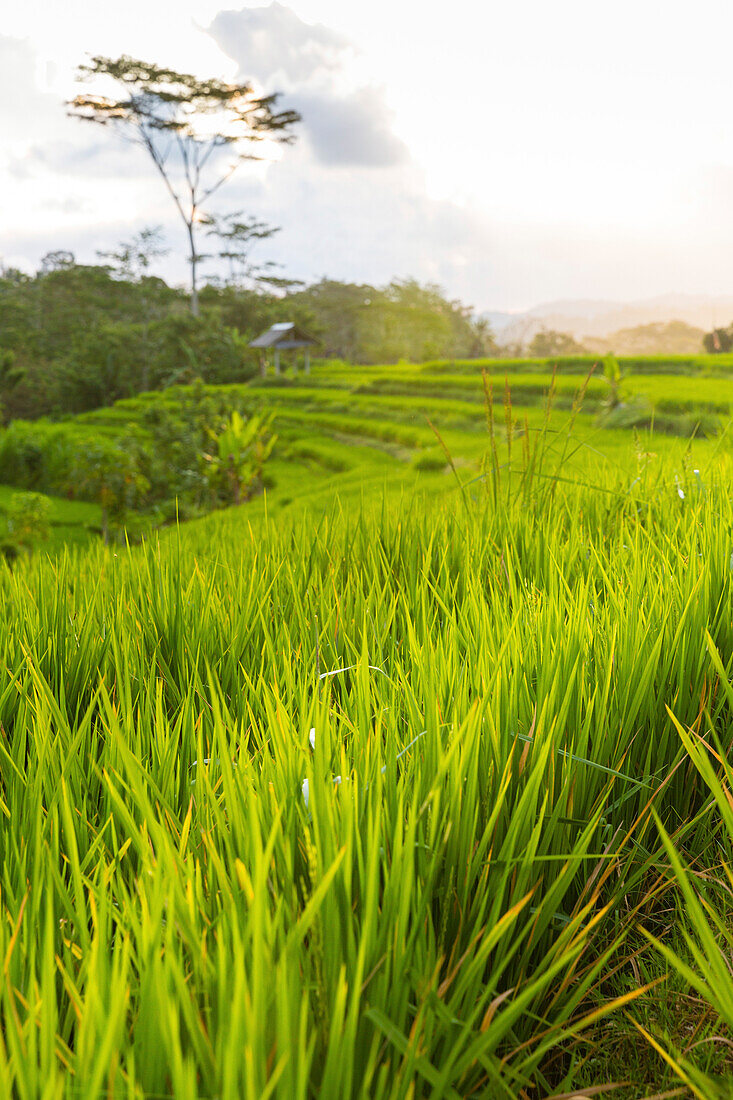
(186, 126)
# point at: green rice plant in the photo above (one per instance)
(581, 364)
(178, 920)
(371, 796)
(705, 900)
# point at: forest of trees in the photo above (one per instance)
(77, 336)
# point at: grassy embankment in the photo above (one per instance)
(379, 795)
(344, 427)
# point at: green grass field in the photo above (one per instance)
(396, 782)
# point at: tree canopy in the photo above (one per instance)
(547, 343)
(719, 340)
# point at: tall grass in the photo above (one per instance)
(177, 918)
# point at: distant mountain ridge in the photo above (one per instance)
(596, 318)
(657, 338)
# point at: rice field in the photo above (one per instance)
(398, 783)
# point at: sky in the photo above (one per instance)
(513, 153)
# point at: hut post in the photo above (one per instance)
(277, 361)
(307, 358)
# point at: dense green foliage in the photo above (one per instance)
(403, 320)
(84, 339)
(76, 337)
(175, 452)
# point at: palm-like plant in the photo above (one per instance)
(241, 449)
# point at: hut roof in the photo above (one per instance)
(284, 335)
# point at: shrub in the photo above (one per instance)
(28, 518)
(432, 459)
(142, 451)
(110, 473)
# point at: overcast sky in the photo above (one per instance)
(512, 152)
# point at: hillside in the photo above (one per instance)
(661, 337)
(147, 460)
(599, 319)
(406, 778)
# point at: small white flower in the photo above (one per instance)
(306, 789)
(337, 778)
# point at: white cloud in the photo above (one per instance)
(364, 226)
(25, 111)
(308, 63)
(351, 129)
(92, 155)
(273, 43)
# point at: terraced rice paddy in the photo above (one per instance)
(400, 783)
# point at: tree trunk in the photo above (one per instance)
(145, 377)
(193, 260)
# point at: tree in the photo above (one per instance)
(104, 361)
(133, 258)
(719, 340)
(60, 260)
(337, 310)
(185, 125)
(131, 262)
(28, 518)
(483, 343)
(548, 343)
(236, 240)
(252, 310)
(404, 320)
(109, 472)
(10, 376)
